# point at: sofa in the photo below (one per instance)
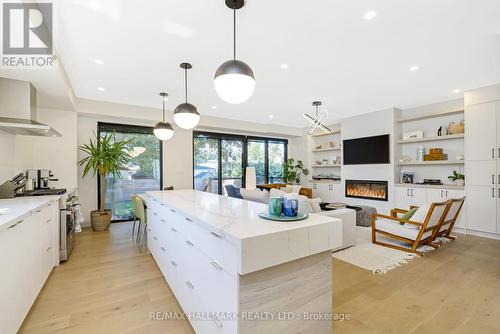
(348, 216)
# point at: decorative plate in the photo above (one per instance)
(283, 218)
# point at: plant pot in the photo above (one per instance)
(100, 220)
(459, 183)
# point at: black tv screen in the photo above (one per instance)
(367, 150)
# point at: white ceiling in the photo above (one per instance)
(353, 65)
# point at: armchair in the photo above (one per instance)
(411, 232)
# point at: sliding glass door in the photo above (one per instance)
(219, 160)
(232, 163)
(206, 164)
(142, 173)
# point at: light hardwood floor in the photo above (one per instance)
(109, 287)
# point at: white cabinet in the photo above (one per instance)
(327, 191)
(482, 208)
(27, 256)
(408, 196)
(483, 166)
(481, 131)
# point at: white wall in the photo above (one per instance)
(366, 125)
(16, 155)
(20, 153)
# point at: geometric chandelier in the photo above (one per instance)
(316, 121)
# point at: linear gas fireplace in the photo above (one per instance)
(367, 189)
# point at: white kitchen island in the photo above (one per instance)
(233, 272)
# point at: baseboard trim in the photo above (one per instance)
(476, 233)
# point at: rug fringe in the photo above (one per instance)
(392, 266)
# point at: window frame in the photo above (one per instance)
(245, 139)
(126, 128)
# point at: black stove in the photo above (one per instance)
(42, 192)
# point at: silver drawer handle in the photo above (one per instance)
(154, 199)
(190, 285)
(162, 204)
(155, 238)
(149, 230)
(48, 220)
(172, 210)
(37, 211)
(173, 263)
(155, 213)
(189, 243)
(216, 265)
(492, 178)
(163, 220)
(215, 235)
(49, 205)
(173, 229)
(163, 249)
(49, 249)
(217, 322)
(188, 219)
(19, 222)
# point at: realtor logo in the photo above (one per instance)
(27, 28)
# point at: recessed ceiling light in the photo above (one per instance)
(413, 68)
(370, 15)
(456, 91)
(284, 66)
(101, 89)
(99, 61)
(270, 116)
(214, 107)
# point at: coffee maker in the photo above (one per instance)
(44, 177)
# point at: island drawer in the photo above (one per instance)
(212, 243)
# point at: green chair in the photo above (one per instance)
(140, 213)
(132, 199)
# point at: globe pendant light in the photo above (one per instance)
(185, 115)
(163, 130)
(316, 121)
(234, 81)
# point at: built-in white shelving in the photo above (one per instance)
(435, 162)
(420, 140)
(334, 132)
(430, 186)
(434, 115)
(326, 166)
(326, 149)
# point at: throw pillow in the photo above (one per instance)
(287, 189)
(315, 204)
(276, 193)
(419, 216)
(255, 195)
(408, 215)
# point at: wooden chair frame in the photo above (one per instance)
(451, 221)
(423, 228)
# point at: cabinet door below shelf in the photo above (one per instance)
(481, 209)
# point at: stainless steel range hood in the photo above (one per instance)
(18, 110)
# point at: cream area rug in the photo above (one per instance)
(377, 259)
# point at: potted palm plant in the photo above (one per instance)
(105, 156)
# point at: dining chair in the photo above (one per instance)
(140, 213)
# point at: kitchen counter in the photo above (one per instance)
(20, 207)
(218, 256)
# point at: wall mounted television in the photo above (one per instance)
(366, 150)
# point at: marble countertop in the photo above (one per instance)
(14, 209)
(236, 218)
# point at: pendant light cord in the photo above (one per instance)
(186, 83)
(163, 107)
(234, 29)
